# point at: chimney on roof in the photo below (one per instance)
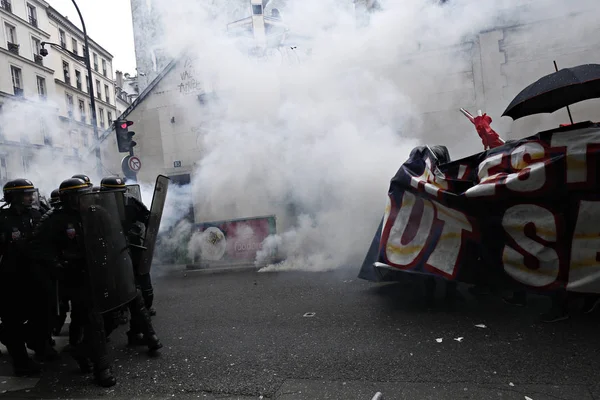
(119, 76)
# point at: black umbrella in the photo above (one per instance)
(557, 90)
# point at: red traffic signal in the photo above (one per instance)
(124, 141)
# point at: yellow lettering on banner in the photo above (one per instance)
(445, 256)
(484, 187)
(540, 265)
(404, 254)
(576, 152)
(584, 268)
(537, 171)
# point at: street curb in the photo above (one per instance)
(192, 269)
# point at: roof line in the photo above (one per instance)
(138, 100)
(67, 22)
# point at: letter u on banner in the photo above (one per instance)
(410, 231)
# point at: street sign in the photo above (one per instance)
(134, 163)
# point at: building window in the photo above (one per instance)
(35, 44)
(74, 42)
(106, 94)
(82, 110)
(63, 38)
(104, 67)
(45, 133)
(6, 4)
(110, 120)
(78, 79)
(84, 139)
(16, 80)
(69, 99)
(32, 15)
(95, 62)
(91, 112)
(26, 163)
(87, 83)
(11, 38)
(3, 170)
(41, 86)
(66, 74)
(101, 116)
(98, 89)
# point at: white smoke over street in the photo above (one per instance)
(317, 142)
(314, 135)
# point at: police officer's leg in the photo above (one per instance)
(13, 337)
(145, 283)
(79, 346)
(95, 336)
(141, 317)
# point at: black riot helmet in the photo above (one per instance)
(16, 189)
(112, 183)
(84, 178)
(70, 189)
(54, 197)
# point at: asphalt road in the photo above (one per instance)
(244, 335)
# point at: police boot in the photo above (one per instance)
(26, 366)
(135, 339)
(153, 342)
(105, 378)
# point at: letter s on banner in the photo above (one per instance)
(533, 264)
(399, 252)
(445, 256)
(584, 269)
(531, 176)
(487, 184)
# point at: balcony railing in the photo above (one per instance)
(18, 91)
(6, 5)
(33, 21)
(38, 59)
(13, 48)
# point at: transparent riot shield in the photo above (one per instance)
(134, 191)
(109, 262)
(156, 211)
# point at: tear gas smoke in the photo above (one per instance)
(316, 142)
(42, 148)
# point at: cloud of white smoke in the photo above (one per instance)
(316, 142)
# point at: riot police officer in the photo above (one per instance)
(54, 199)
(59, 243)
(84, 178)
(136, 216)
(25, 289)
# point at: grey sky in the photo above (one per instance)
(108, 22)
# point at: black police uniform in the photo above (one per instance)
(59, 242)
(25, 289)
(136, 214)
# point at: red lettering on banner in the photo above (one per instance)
(584, 268)
(577, 148)
(410, 231)
(531, 175)
(411, 234)
(529, 254)
(428, 181)
(455, 227)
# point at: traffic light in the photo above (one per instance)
(124, 137)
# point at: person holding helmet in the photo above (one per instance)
(59, 242)
(24, 288)
(136, 216)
